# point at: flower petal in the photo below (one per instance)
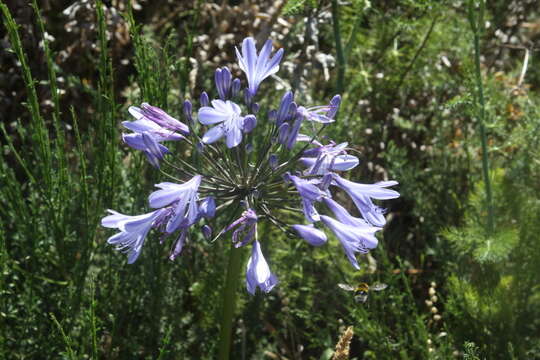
(213, 135)
(311, 234)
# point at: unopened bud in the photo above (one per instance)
(204, 99)
(434, 310)
(273, 161)
(187, 111)
(235, 88)
(250, 121)
(207, 231)
(432, 291)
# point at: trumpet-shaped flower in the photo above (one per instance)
(133, 231)
(361, 194)
(152, 126)
(343, 215)
(226, 116)
(257, 66)
(354, 239)
(322, 114)
(184, 196)
(327, 158)
(309, 193)
(258, 272)
(157, 116)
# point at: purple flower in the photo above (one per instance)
(293, 133)
(247, 226)
(258, 273)
(146, 143)
(235, 87)
(184, 196)
(207, 207)
(283, 113)
(257, 67)
(311, 234)
(230, 124)
(309, 193)
(207, 231)
(328, 158)
(322, 114)
(204, 100)
(343, 215)
(354, 239)
(223, 79)
(179, 245)
(158, 116)
(188, 108)
(133, 231)
(361, 194)
(152, 126)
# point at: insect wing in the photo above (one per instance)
(378, 287)
(346, 287)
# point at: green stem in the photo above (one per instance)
(476, 25)
(339, 48)
(229, 302)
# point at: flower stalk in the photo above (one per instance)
(229, 301)
(477, 24)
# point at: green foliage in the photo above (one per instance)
(409, 109)
(491, 292)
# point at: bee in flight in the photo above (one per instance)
(361, 291)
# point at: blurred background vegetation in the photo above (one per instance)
(406, 69)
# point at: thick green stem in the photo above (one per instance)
(476, 25)
(229, 302)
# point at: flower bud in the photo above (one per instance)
(434, 310)
(432, 291)
(272, 116)
(207, 232)
(235, 88)
(250, 122)
(205, 101)
(187, 111)
(283, 133)
(273, 161)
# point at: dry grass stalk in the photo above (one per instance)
(342, 347)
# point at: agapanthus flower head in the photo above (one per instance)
(275, 164)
